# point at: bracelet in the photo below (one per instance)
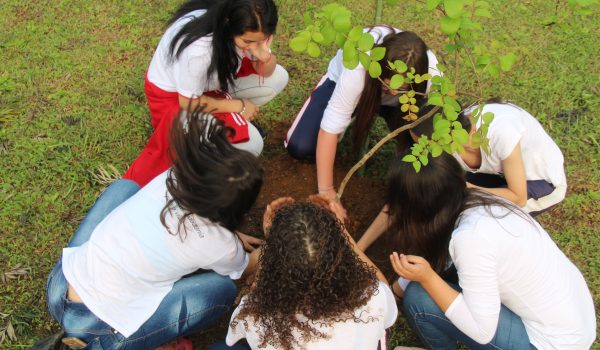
(324, 189)
(243, 107)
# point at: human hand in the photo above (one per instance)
(272, 209)
(411, 267)
(331, 203)
(262, 50)
(250, 243)
(250, 110)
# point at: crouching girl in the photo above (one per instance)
(516, 289)
(314, 289)
(130, 277)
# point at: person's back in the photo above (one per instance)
(314, 289)
(531, 277)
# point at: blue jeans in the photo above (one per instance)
(194, 303)
(437, 332)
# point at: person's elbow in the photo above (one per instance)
(521, 201)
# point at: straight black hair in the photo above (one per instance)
(425, 207)
(223, 20)
(209, 177)
(405, 46)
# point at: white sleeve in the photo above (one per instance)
(476, 310)
(233, 262)
(504, 134)
(391, 310)
(237, 331)
(344, 99)
(190, 71)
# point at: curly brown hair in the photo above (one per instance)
(308, 268)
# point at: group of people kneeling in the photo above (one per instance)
(156, 256)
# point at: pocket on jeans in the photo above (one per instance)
(78, 321)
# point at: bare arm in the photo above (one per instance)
(375, 230)
(514, 172)
(220, 105)
(326, 150)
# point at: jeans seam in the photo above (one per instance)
(127, 341)
(421, 315)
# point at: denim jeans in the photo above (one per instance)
(194, 303)
(437, 331)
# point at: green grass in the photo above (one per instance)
(72, 103)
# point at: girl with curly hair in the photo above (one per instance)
(314, 289)
(148, 266)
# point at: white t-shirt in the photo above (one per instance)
(131, 261)
(513, 261)
(187, 75)
(350, 84)
(542, 159)
(347, 335)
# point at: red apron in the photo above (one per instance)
(164, 107)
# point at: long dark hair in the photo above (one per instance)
(307, 267)
(224, 20)
(425, 207)
(405, 46)
(209, 177)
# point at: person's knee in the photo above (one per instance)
(416, 299)
(300, 150)
(281, 78)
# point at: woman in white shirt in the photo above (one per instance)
(342, 93)
(516, 290)
(313, 289)
(129, 278)
(524, 164)
(214, 53)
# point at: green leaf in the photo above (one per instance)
(432, 4)
(493, 70)
(377, 53)
(454, 8)
(488, 117)
(403, 99)
(435, 99)
(374, 69)
(449, 25)
(298, 44)
(365, 43)
(442, 125)
(483, 60)
(507, 61)
(436, 150)
(340, 39)
(452, 102)
(364, 59)
(313, 50)
(450, 112)
(307, 20)
(396, 81)
(441, 68)
(328, 34)
(424, 160)
(413, 108)
(355, 33)
(409, 158)
(416, 149)
(461, 136)
(318, 37)
(401, 67)
(417, 166)
(342, 24)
